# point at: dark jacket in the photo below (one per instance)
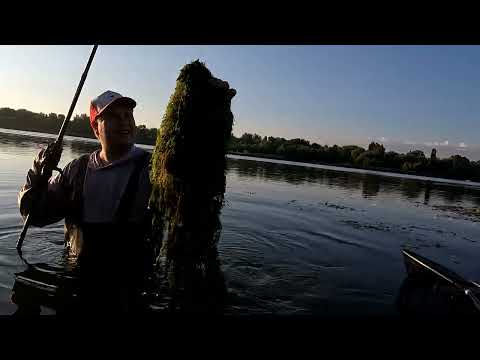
(89, 194)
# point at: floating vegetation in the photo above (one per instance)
(472, 213)
(358, 225)
(338, 207)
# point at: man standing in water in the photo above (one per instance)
(103, 198)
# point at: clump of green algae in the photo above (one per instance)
(188, 178)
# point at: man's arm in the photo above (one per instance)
(47, 201)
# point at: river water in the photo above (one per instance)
(297, 239)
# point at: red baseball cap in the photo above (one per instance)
(104, 100)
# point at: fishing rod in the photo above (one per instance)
(469, 288)
(54, 150)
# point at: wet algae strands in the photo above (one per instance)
(188, 185)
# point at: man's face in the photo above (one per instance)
(116, 126)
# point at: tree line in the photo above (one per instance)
(374, 157)
(50, 123)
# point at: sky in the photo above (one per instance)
(406, 97)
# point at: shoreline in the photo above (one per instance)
(376, 171)
(381, 171)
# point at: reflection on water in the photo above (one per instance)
(295, 239)
(369, 185)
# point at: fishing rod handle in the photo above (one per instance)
(26, 224)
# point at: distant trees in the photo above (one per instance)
(26, 120)
(414, 161)
(146, 136)
(374, 157)
(376, 148)
(79, 126)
